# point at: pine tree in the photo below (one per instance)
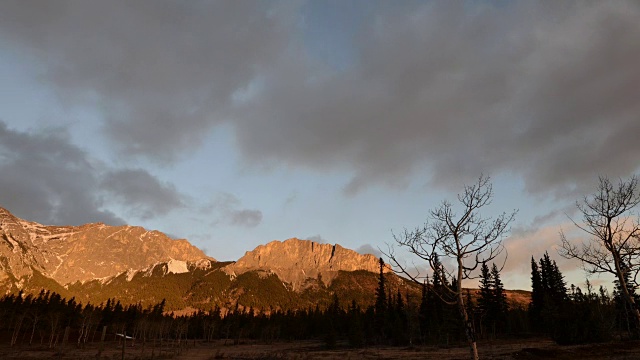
(486, 291)
(356, 332)
(552, 279)
(425, 312)
(557, 283)
(399, 324)
(438, 311)
(381, 305)
(537, 297)
(424, 316)
(555, 299)
(499, 303)
(399, 302)
(381, 292)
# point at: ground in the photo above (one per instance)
(302, 350)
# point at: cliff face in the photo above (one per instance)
(80, 253)
(295, 261)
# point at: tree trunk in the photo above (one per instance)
(628, 297)
(16, 331)
(33, 331)
(633, 310)
(469, 331)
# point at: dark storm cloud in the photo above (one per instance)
(549, 92)
(544, 90)
(47, 179)
(144, 194)
(160, 71)
(229, 210)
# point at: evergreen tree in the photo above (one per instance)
(557, 283)
(381, 304)
(486, 291)
(423, 311)
(499, 303)
(381, 292)
(537, 297)
(399, 302)
(552, 280)
(549, 294)
(492, 303)
(356, 331)
(438, 314)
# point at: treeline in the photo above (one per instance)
(568, 315)
(396, 318)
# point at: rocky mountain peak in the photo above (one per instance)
(295, 261)
(80, 253)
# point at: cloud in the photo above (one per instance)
(46, 178)
(545, 91)
(246, 218)
(368, 249)
(142, 193)
(317, 238)
(229, 211)
(162, 74)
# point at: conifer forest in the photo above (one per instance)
(566, 314)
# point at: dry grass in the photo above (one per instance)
(313, 350)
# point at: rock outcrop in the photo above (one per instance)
(296, 261)
(80, 253)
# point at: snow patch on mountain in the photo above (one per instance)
(177, 266)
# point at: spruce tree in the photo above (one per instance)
(557, 283)
(486, 290)
(400, 325)
(438, 312)
(555, 298)
(381, 305)
(423, 312)
(499, 303)
(381, 292)
(537, 297)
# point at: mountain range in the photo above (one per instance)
(96, 262)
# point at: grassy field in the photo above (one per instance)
(501, 349)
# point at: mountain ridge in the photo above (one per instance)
(95, 262)
(81, 253)
(295, 260)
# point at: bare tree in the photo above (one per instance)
(610, 219)
(468, 238)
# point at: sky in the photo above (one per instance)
(235, 123)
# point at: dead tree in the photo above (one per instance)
(467, 238)
(613, 245)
